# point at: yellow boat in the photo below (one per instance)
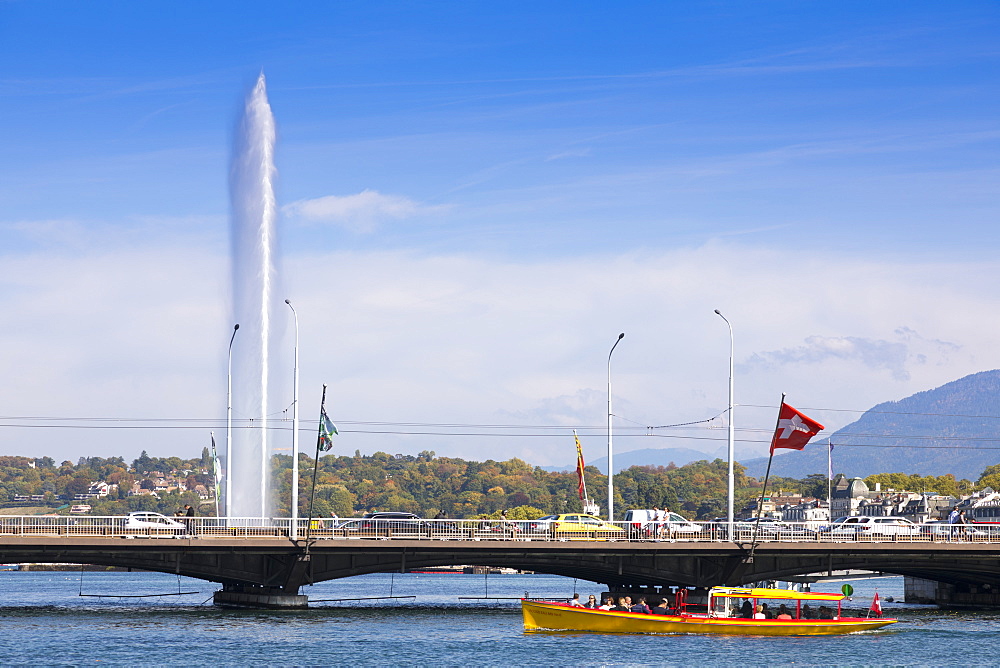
(718, 620)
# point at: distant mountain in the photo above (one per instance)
(646, 457)
(951, 429)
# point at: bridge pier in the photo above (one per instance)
(242, 595)
(953, 596)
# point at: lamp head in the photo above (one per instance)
(288, 302)
(621, 336)
(236, 327)
(717, 312)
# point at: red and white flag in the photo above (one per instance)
(794, 429)
(876, 606)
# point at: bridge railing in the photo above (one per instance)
(328, 529)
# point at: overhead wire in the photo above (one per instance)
(454, 429)
(855, 410)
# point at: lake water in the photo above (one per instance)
(45, 621)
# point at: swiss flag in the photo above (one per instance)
(794, 429)
(876, 606)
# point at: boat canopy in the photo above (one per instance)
(783, 594)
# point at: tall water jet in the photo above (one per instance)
(253, 208)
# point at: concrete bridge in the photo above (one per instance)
(265, 568)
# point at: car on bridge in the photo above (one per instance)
(944, 529)
(577, 527)
(388, 523)
(768, 528)
(396, 522)
(153, 524)
(643, 524)
(774, 528)
(867, 525)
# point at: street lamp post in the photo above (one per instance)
(295, 428)
(730, 497)
(611, 452)
(229, 425)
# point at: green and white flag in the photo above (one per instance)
(216, 468)
(326, 431)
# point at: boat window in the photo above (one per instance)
(720, 606)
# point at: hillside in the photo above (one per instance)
(644, 457)
(952, 429)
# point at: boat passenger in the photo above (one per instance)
(624, 604)
(575, 601)
(746, 610)
(759, 613)
(808, 612)
(591, 602)
(660, 607)
(767, 613)
(783, 612)
(825, 612)
(608, 604)
(641, 606)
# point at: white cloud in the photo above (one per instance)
(462, 339)
(362, 213)
(897, 357)
(466, 339)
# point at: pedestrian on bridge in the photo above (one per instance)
(961, 521)
(189, 518)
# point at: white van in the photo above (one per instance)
(644, 521)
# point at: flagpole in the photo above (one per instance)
(829, 479)
(319, 441)
(763, 491)
(583, 480)
(215, 474)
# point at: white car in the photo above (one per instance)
(865, 525)
(642, 520)
(150, 520)
(941, 528)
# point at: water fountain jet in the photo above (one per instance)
(253, 207)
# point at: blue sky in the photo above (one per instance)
(478, 198)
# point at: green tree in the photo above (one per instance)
(143, 464)
(990, 477)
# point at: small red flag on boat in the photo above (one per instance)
(581, 486)
(876, 606)
(794, 429)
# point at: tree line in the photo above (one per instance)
(427, 485)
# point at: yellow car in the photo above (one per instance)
(577, 527)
